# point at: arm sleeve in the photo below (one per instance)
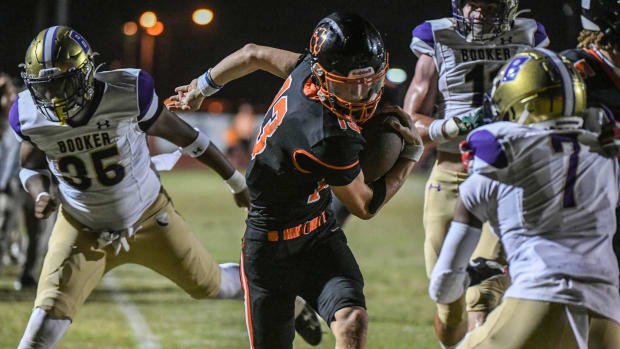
(449, 279)
(335, 158)
(477, 194)
(423, 41)
(14, 121)
(148, 102)
(540, 36)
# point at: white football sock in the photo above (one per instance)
(43, 331)
(230, 287)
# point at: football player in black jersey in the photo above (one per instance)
(309, 142)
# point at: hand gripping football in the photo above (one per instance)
(383, 146)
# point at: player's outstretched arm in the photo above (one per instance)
(196, 144)
(421, 95)
(242, 62)
(420, 102)
(450, 278)
(35, 181)
(364, 200)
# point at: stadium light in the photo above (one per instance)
(155, 30)
(148, 19)
(202, 16)
(397, 75)
(130, 28)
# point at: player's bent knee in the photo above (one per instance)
(351, 321)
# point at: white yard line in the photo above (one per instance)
(146, 339)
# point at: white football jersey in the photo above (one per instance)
(466, 69)
(103, 167)
(552, 203)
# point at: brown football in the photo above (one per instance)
(383, 146)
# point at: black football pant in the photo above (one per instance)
(318, 266)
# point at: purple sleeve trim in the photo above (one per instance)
(145, 92)
(486, 147)
(424, 32)
(14, 119)
(540, 35)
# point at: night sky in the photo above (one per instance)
(184, 49)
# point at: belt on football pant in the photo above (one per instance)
(298, 230)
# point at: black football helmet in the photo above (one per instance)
(601, 15)
(349, 64)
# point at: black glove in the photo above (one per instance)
(481, 269)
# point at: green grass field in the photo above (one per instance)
(389, 249)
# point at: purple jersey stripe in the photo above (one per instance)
(486, 147)
(145, 92)
(424, 32)
(540, 34)
(14, 119)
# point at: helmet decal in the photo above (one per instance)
(317, 40)
(513, 69)
(80, 40)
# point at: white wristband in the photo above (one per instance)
(435, 131)
(442, 130)
(41, 194)
(26, 173)
(198, 146)
(412, 152)
(206, 86)
(236, 182)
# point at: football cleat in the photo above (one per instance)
(307, 323)
(481, 269)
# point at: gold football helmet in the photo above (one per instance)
(59, 73)
(539, 88)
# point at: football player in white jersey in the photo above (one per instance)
(457, 59)
(551, 201)
(89, 128)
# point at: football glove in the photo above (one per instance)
(481, 269)
(470, 121)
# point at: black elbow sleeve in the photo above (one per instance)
(378, 195)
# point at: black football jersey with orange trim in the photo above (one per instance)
(299, 151)
(602, 90)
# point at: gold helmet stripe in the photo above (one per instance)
(48, 46)
(567, 81)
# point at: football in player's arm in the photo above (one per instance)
(356, 196)
(329, 91)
